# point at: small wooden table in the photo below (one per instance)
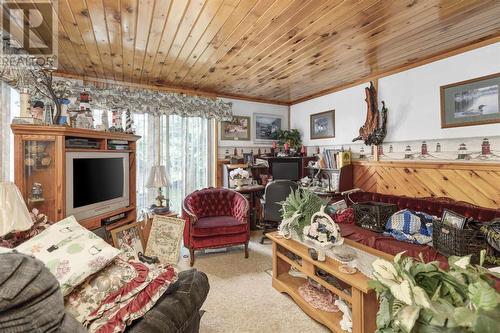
(363, 301)
(253, 192)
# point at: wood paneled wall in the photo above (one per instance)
(476, 183)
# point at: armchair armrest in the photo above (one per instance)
(240, 208)
(188, 214)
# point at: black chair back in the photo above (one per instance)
(276, 192)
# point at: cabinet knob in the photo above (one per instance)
(59, 210)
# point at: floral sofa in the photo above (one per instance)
(428, 205)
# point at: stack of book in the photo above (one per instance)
(336, 159)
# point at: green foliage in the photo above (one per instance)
(306, 203)
(291, 136)
(462, 299)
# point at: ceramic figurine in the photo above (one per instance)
(128, 122)
(37, 110)
(462, 152)
(408, 153)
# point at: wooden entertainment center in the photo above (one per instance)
(40, 168)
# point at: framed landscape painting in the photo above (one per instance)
(128, 237)
(267, 126)
(471, 102)
(236, 129)
(323, 125)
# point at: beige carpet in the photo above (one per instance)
(241, 298)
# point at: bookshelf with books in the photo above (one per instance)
(335, 168)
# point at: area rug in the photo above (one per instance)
(241, 297)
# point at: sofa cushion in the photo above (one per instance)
(388, 244)
(218, 225)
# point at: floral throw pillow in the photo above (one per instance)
(71, 252)
(88, 296)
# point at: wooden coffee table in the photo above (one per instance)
(363, 301)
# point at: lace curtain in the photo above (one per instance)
(9, 108)
(185, 149)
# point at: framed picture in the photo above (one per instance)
(129, 235)
(323, 125)
(248, 158)
(236, 129)
(267, 126)
(453, 219)
(471, 102)
(164, 239)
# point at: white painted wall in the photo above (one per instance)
(246, 108)
(413, 100)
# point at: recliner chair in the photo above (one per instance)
(275, 192)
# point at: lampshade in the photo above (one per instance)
(157, 177)
(14, 215)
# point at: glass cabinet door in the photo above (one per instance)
(39, 177)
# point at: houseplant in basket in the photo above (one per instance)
(420, 297)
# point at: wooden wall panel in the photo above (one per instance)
(476, 183)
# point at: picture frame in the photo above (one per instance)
(238, 129)
(471, 102)
(164, 239)
(130, 234)
(248, 158)
(267, 126)
(453, 219)
(322, 125)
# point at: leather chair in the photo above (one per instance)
(276, 192)
(215, 217)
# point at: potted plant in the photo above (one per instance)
(420, 297)
(239, 176)
(292, 137)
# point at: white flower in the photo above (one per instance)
(239, 174)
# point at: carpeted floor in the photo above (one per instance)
(241, 298)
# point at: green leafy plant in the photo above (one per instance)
(292, 137)
(420, 297)
(303, 202)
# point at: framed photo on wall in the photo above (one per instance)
(322, 125)
(471, 102)
(267, 126)
(236, 129)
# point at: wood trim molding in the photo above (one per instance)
(173, 89)
(438, 56)
(451, 165)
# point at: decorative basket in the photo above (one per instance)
(451, 241)
(373, 215)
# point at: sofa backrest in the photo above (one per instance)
(434, 206)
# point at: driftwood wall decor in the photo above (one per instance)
(373, 130)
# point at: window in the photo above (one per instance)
(185, 149)
(9, 103)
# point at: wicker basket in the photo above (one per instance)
(373, 215)
(451, 241)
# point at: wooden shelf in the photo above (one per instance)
(290, 285)
(362, 300)
(81, 150)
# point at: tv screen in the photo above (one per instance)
(96, 180)
(285, 170)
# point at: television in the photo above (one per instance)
(96, 183)
(285, 168)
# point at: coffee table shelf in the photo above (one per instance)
(354, 288)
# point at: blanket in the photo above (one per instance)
(409, 226)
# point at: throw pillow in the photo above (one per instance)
(70, 252)
(88, 296)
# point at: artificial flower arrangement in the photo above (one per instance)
(239, 175)
(420, 297)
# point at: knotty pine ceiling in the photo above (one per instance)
(272, 50)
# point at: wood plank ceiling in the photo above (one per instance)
(272, 50)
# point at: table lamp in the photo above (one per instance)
(158, 178)
(14, 215)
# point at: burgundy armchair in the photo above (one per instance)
(215, 217)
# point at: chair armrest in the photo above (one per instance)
(240, 208)
(189, 215)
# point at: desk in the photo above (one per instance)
(252, 191)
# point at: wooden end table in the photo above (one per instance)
(363, 301)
